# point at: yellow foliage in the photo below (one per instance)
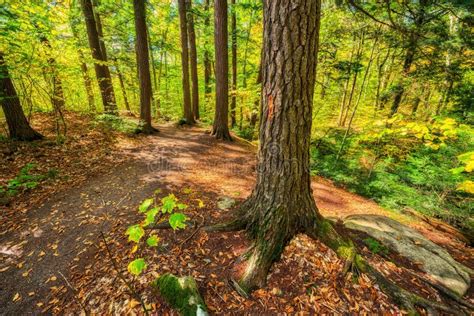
(466, 186)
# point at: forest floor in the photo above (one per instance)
(53, 258)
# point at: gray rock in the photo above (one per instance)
(409, 243)
(225, 203)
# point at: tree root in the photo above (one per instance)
(346, 250)
(230, 226)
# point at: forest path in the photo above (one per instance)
(59, 240)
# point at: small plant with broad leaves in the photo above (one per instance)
(154, 211)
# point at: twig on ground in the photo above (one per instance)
(122, 277)
(74, 293)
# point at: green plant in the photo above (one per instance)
(166, 209)
(375, 246)
(117, 123)
(24, 180)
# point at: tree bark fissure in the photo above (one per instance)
(101, 69)
(220, 128)
(143, 66)
(187, 107)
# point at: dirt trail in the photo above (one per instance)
(57, 242)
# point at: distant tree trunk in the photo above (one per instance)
(102, 70)
(207, 55)
(188, 112)
(156, 100)
(408, 61)
(346, 85)
(380, 67)
(193, 59)
(100, 32)
(84, 69)
(233, 103)
(143, 65)
(57, 99)
(122, 86)
(220, 128)
(18, 126)
(244, 71)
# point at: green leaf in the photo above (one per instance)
(137, 266)
(457, 170)
(135, 233)
(169, 203)
(182, 206)
(152, 241)
(177, 220)
(150, 216)
(145, 205)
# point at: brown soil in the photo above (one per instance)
(53, 259)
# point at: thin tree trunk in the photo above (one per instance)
(143, 65)
(380, 67)
(220, 127)
(101, 69)
(156, 100)
(346, 85)
(18, 126)
(233, 103)
(193, 59)
(122, 86)
(100, 32)
(57, 98)
(188, 111)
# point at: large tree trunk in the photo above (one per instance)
(143, 65)
(188, 112)
(18, 126)
(233, 102)
(100, 32)
(281, 204)
(207, 54)
(101, 69)
(220, 128)
(193, 59)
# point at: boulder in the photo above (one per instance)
(431, 258)
(182, 294)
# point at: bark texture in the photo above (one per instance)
(18, 126)
(101, 69)
(188, 112)
(281, 204)
(193, 59)
(233, 103)
(220, 129)
(143, 65)
(207, 54)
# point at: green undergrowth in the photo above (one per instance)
(26, 180)
(402, 170)
(117, 123)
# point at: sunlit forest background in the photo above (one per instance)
(394, 101)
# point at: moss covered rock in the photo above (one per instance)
(181, 293)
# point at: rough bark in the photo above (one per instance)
(18, 126)
(281, 204)
(207, 54)
(141, 45)
(233, 103)
(101, 69)
(220, 128)
(122, 85)
(193, 59)
(188, 112)
(100, 32)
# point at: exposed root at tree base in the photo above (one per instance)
(259, 262)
